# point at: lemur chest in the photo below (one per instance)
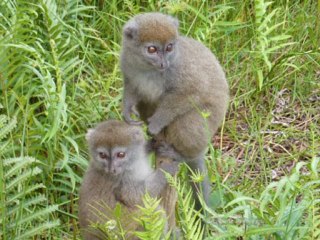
(149, 86)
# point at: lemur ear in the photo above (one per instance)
(137, 135)
(175, 21)
(130, 30)
(89, 133)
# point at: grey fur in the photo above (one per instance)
(126, 185)
(171, 100)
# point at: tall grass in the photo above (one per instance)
(59, 75)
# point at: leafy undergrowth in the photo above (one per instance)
(59, 75)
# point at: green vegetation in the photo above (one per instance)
(59, 75)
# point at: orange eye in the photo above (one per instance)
(152, 49)
(121, 154)
(169, 47)
(103, 155)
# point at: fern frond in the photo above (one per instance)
(266, 44)
(3, 119)
(15, 197)
(280, 205)
(32, 201)
(38, 228)
(314, 187)
(18, 163)
(6, 126)
(152, 218)
(22, 177)
(22, 207)
(34, 216)
(189, 219)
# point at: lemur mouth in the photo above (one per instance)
(162, 68)
(111, 172)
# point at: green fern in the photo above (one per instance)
(112, 224)
(282, 211)
(46, 82)
(117, 223)
(5, 128)
(266, 44)
(280, 205)
(41, 64)
(152, 219)
(314, 187)
(189, 220)
(25, 211)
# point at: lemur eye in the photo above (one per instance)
(152, 49)
(121, 154)
(169, 47)
(103, 155)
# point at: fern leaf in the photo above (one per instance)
(22, 177)
(3, 147)
(152, 218)
(35, 216)
(3, 119)
(15, 197)
(7, 128)
(21, 205)
(36, 229)
(19, 163)
(190, 221)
